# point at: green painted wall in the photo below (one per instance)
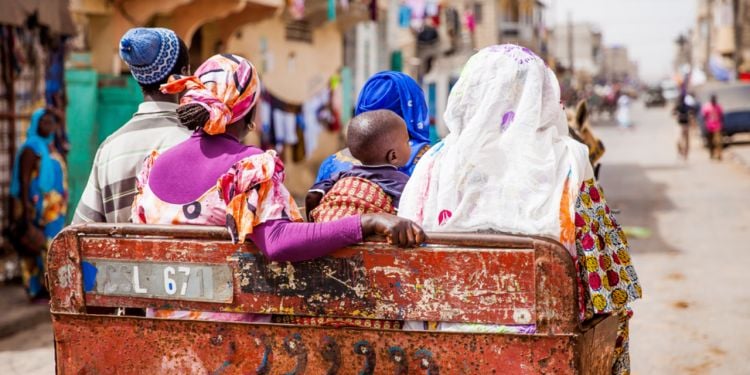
(97, 106)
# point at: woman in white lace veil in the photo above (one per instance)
(509, 165)
(508, 155)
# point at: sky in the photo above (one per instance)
(647, 27)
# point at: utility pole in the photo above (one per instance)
(709, 34)
(571, 55)
(737, 20)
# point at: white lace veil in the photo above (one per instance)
(508, 156)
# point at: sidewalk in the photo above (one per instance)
(17, 313)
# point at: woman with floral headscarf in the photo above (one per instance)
(509, 165)
(39, 189)
(213, 179)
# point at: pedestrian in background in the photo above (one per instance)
(713, 115)
(40, 194)
(623, 111)
(153, 55)
(682, 112)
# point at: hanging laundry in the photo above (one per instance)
(397, 61)
(285, 128)
(298, 150)
(436, 17)
(313, 125)
(404, 16)
(347, 91)
(470, 21)
(331, 10)
(431, 8)
(297, 9)
(452, 21)
(417, 13)
(334, 103)
(344, 4)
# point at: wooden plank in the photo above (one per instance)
(126, 345)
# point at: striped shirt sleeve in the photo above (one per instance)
(91, 206)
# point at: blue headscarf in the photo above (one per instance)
(399, 93)
(40, 146)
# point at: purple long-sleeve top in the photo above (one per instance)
(283, 240)
(204, 159)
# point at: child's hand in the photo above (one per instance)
(398, 231)
(312, 200)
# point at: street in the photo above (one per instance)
(688, 224)
(695, 315)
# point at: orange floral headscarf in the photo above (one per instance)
(226, 85)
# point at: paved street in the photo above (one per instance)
(695, 316)
(689, 225)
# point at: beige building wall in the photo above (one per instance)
(291, 70)
(294, 71)
(487, 32)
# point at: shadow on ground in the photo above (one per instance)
(639, 199)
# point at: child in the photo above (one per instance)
(380, 141)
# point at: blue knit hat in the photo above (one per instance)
(151, 53)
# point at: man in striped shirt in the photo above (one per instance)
(153, 55)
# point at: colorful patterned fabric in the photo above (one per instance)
(48, 193)
(207, 315)
(603, 257)
(337, 322)
(607, 279)
(352, 196)
(388, 177)
(226, 85)
(250, 193)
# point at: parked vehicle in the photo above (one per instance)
(654, 98)
(735, 101)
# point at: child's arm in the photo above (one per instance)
(312, 200)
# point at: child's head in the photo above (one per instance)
(379, 137)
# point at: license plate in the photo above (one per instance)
(177, 281)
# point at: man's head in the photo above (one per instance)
(153, 55)
(714, 100)
(48, 124)
(379, 137)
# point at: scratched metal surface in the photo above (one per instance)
(375, 281)
(458, 277)
(108, 345)
(441, 282)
